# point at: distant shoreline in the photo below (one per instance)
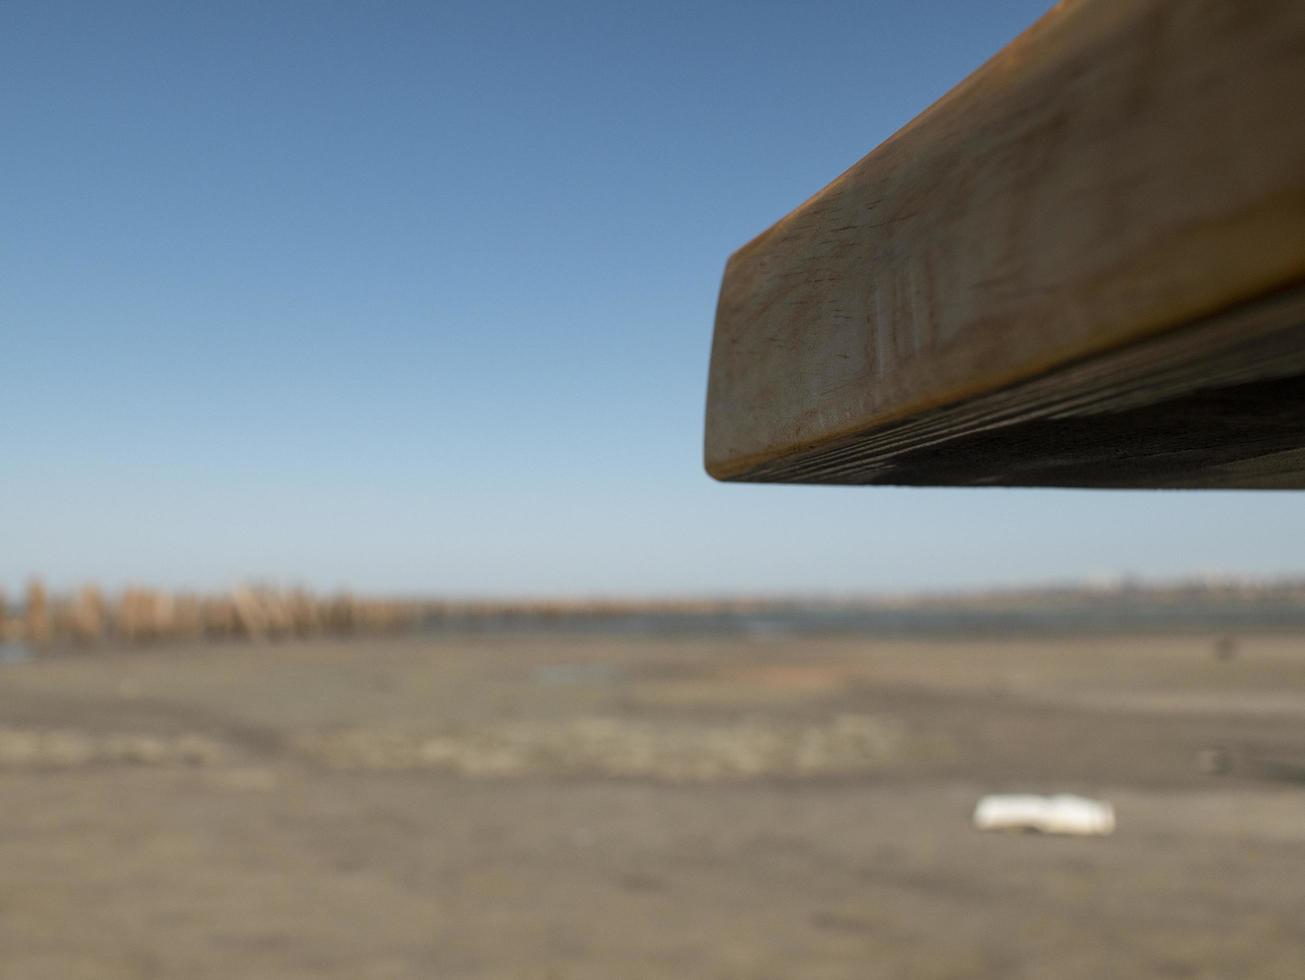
(137, 616)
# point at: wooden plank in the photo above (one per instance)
(1108, 215)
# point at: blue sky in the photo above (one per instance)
(418, 296)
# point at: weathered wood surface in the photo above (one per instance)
(1082, 266)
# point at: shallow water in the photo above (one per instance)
(14, 653)
(1104, 615)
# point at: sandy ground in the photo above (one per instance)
(621, 808)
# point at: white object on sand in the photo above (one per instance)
(1046, 814)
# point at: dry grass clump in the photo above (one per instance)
(140, 615)
(36, 614)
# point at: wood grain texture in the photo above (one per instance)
(1124, 172)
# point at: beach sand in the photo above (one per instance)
(598, 807)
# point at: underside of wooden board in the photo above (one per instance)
(1084, 266)
(1219, 405)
